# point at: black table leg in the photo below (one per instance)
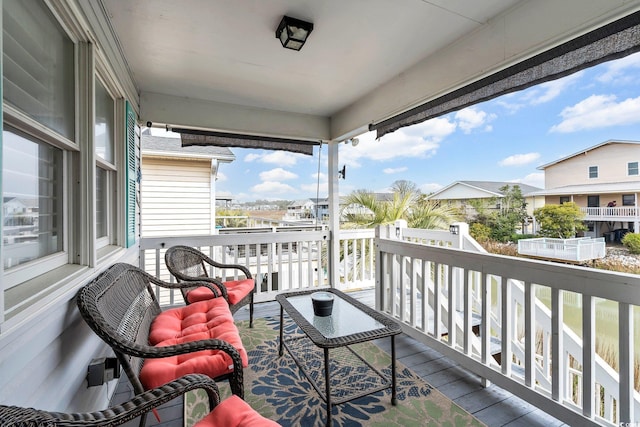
(327, 385)
(394, 399)
(280, 350)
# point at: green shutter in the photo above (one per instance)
(131, 175)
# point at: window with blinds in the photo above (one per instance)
(38, 66)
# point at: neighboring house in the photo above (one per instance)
(178, 192)
(459, 193)
(595, 177)
(355, 209)
(307, 209)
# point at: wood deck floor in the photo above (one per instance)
(491, 405)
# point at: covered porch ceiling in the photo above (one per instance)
(217, 65)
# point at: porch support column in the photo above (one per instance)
(334, 216)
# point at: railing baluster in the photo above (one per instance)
(426, 278)
(588, 355)
(486, 319)
(468, 315)
(437, 301)
(626, 351)
(558, 363)
(529, 334)
(451, 309)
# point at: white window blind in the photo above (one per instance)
(38, 66)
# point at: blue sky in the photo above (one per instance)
(504, 139)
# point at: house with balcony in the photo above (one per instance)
(604, 181)
(307, 210)
(81, 78)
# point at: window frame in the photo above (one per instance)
(629, 169)
(593, 172)
(36, 131)
(111, 169)
(627, 196)
(564, 199)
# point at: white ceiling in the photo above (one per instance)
(225, 53)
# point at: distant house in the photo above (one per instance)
(355, 209)
(595, 177)
(178, 192)
(459, 193)
(307, 210)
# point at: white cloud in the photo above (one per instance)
(535, 179)
(418, 141)
(270, 188)
(395, 170)
(280, 158)
(598, 111)
(615, 70)
(277, 174)
(221, 177)
(471, 118)
(548, 91)
(314, 188)
(519, 159)
(430, 187)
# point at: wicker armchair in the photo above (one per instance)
(13, 416)
(188, 264)
(120, 306)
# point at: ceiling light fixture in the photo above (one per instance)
(293, 32)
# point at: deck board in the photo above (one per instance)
(492, 405)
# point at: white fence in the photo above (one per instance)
(281, 258)
(439, 294)
(573, 250)
(523, 345)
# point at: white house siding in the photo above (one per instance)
(176, 197)
(611, 160)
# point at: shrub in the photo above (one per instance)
(479, 231)
(631, 241)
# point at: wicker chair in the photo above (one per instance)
(188, 264)
(120, 306)
(13, 416)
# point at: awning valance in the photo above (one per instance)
(615, 40)
(201, 137)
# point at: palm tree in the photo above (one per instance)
(407, 203)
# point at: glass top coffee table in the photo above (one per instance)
(351, 322)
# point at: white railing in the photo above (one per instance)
(629, 212)
(535, 347)
(281, 258)
(574, 250)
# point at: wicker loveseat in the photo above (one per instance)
(155, 346)
(188, 264)
(232, 412)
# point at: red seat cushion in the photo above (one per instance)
(209, 319)
(234, 412)
(236, 289)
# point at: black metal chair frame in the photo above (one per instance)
(182, 260)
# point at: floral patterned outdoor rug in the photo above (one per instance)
(275, 387)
